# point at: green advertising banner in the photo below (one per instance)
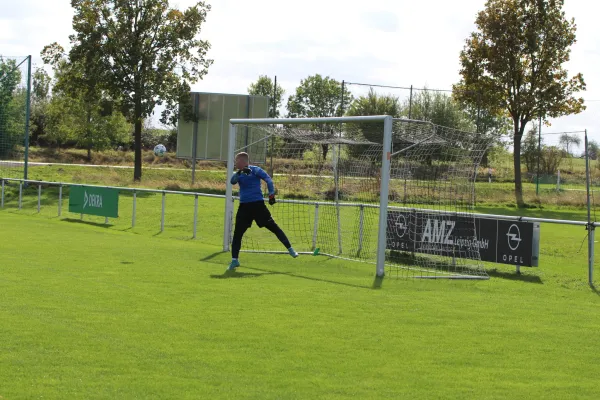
(94, 201)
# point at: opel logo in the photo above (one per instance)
(514, 237)
(401, 226)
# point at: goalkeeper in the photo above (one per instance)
(252, 206)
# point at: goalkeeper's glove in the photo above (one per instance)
(272, 199)
(245, 171)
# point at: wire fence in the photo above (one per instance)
(15, 98)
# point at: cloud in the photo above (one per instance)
(381, 20)
(389, 42)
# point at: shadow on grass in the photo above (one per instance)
(237, 274)
(309, 278)
(377, 282)
(213, 255)
(228, 274)
(513, 276)
(595, 289)
(90, 223)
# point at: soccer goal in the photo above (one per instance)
(394, 193)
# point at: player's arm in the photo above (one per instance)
(235, 178)
(265, 177)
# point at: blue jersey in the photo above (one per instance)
(250, 188)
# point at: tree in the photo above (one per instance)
(438, 108)
(569, 141)
(264, 86)
(530, 149)
(12, 110)
(370, 104)
(72, 120)
(318, 97)
(593, 150)
(514, 63)
(80, 111)
(550, 159)
(40, 97)
(148, 52)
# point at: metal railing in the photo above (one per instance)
(134, 191)
(590, 226)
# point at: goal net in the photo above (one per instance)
(346, 188)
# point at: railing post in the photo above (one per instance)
(590, 225)
(39, 197)
(60, 190)
(20, 193)
(2, 201)
(195, 215)
(162, 214)
(134, 207)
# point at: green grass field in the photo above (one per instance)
(93, 311)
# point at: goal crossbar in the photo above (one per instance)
(298, 121)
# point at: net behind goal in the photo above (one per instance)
(390, 192)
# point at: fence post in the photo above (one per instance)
(195, 215)
(162, 214)
(60, 200)
(2, 201)
(39, 197)
(591, 228)
(410, 103)
(20, 193)
(134, 206)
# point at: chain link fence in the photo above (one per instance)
(15, 97)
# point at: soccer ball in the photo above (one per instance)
(159, 150)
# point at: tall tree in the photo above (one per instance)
(593, 150)
(530, 151)
(438, 108)
(371, 104)
(265, 86)
(318, 96)
(569, 141)
(80, 110)
(40, 97)
(149, 53)
(514, 61)
(79, 81)
(12, 107)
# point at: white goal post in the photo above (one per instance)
(386, 125)
(392, 192)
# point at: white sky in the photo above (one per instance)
(389, 42)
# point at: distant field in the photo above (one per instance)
(211, 179)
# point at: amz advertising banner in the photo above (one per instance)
(499, 241)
